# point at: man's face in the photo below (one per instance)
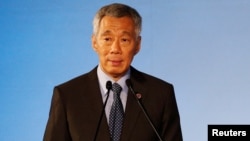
(116, 44)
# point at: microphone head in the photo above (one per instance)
(138, 96)
(128, 82)
(109, 85)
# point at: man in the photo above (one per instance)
(76, 112)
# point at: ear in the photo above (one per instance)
(138, 45)
(94, 43)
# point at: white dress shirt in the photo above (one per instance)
(103, 78)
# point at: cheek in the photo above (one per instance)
(134, 52)
(129, 56)
(101, 51)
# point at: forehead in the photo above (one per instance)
(113, 24)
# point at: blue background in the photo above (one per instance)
(200, 46)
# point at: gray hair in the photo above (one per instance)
(118, 10)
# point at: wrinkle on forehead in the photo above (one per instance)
(109, 32)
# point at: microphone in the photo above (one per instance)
(109, 87)
(138, 97)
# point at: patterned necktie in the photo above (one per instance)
(116, 114)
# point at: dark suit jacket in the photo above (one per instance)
(77, 104)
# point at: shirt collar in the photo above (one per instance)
(103, 78)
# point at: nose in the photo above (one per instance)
(115, 47)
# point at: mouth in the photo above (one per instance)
(115, 62)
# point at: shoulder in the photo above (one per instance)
(153, 89)
(148, 79)
(79, 81)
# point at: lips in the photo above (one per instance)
(115, 62)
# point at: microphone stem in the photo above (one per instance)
(145, 113)
(100, 120)
(149, 120)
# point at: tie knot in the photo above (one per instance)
(116, 88)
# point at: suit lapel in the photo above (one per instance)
(97, 105)
(131, 117)
(132, 108)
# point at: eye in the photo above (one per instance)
(107, 39)
(125, 40)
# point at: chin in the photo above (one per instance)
(116, 72)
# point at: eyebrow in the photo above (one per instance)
(108, 32)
